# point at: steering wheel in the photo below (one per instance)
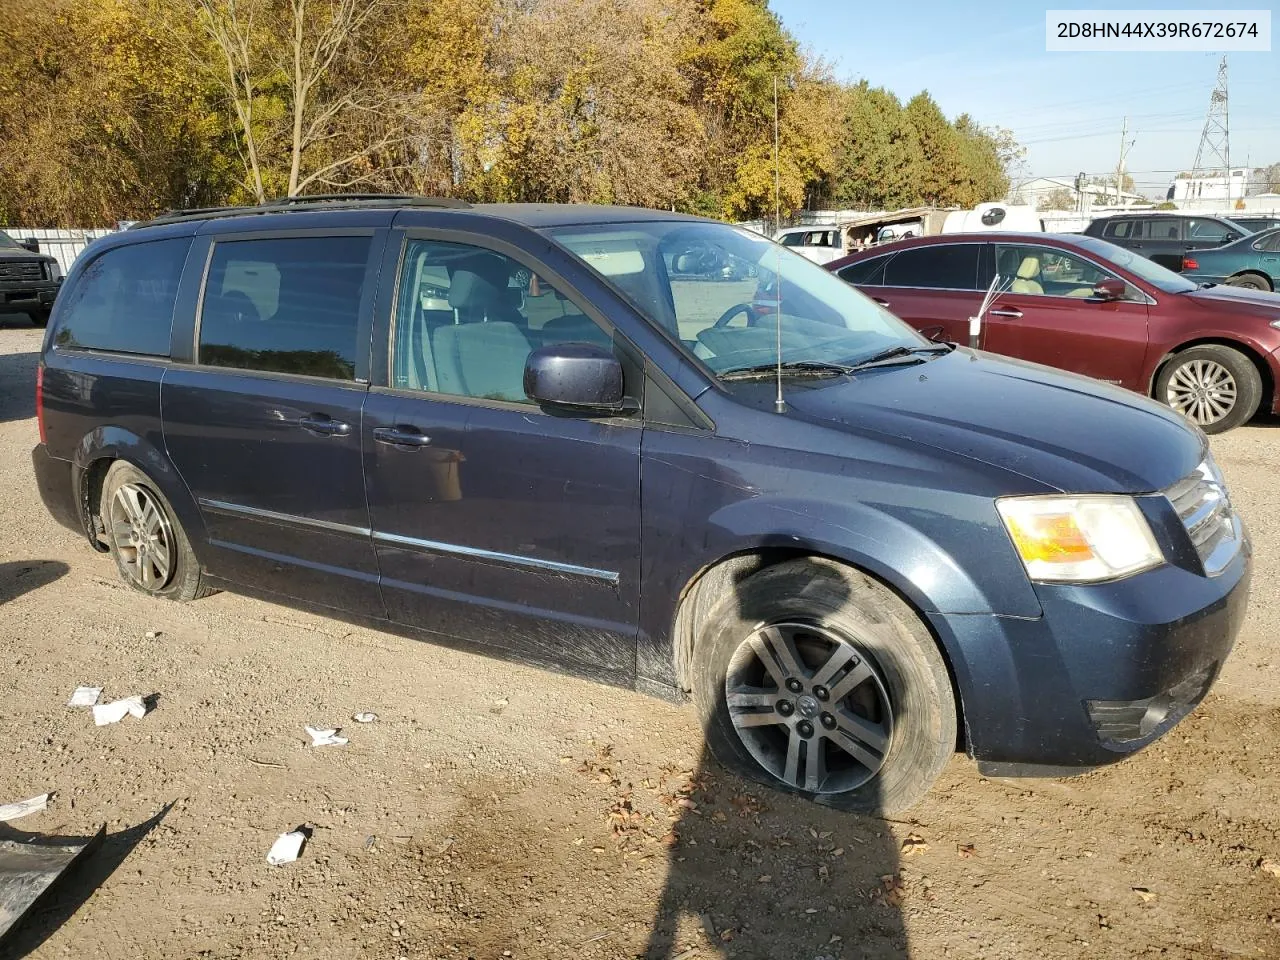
(732, 312)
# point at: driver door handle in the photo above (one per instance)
(401, 436)
(1006, 312)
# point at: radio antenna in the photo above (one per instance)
(779, 404)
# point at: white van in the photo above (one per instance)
(820, 243)
(994, 216)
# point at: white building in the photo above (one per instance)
(1221, 188)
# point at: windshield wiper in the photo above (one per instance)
(901, 354)
(813, 368)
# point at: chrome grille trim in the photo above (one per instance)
(1202, 503)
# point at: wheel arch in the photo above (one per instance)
(1254, 354)
(93, 459)
(1254, 272)
(710, 582)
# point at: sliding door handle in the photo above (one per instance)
(318, 423)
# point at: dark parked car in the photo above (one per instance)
(1164, 237)
(29, 280)
(855, 569)
(1252, 262)
(1256, 224)
(1085, 305)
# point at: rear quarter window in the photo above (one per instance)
(123, 300)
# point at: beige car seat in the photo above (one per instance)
(1028, 270)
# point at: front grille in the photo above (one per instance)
(1202, 503)
(21, 270)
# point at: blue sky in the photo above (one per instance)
(989, 60)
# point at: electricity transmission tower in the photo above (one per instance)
(1214, 152)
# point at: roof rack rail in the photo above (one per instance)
(286, 204)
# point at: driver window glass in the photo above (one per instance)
(1042, 271)
(468, 318)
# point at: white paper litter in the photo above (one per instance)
(286, 848)
(325, 738)
(12, 811)
(85, 697)
(105, 713)
(365, 717)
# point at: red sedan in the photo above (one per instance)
(1085, 305)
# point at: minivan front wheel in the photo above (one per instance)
(817, 680)
(150, 547)
(1215, 387)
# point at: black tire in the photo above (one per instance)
(1249, 281)
(895, 647)
(182, 580)
(39, 318)
(1175, 386)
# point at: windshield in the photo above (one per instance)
(1151, 272)
(7, 242)
(722, 291)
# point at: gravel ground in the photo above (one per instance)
(495, 810)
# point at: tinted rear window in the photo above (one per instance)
(868, 272)
(1117, 228)
(286, 305)
(949, 266)
(123, 301)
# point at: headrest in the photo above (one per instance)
(1029, 269)
(470, 290)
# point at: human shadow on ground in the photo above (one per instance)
(22, 576)
(755, 872)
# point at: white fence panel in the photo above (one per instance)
(63, 245)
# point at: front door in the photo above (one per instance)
(932, 286)
(1049, 316)
(265, 426)
(495, 521)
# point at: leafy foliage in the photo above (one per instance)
(119, 109)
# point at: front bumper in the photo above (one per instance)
(28, 294)
(1105, 671)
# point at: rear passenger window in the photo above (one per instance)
(123, 301)
(468, 318)
(285, 305)
(1158, 228)
(869, 273)
(943, 266)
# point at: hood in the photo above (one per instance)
(9, 253)
(1063, 431)
(1236, 300)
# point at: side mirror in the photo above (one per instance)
(581, 376)
(30, 243)
(1108, 290)
(1226, 240)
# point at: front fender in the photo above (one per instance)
(118, 443)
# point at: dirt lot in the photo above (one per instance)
(496, 811)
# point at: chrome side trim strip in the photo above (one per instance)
(237, 510)
(429, 546)
(492, 556)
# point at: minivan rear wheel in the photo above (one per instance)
(1215, 387)
(150, 547)
(817, 680)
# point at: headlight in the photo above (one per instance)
(1080, 539)
(54, 269)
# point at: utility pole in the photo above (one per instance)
(1125, 144)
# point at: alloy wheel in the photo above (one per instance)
(810, 707)
(1204, 391)
(143, 536)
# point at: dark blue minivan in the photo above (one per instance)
(655, 451)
